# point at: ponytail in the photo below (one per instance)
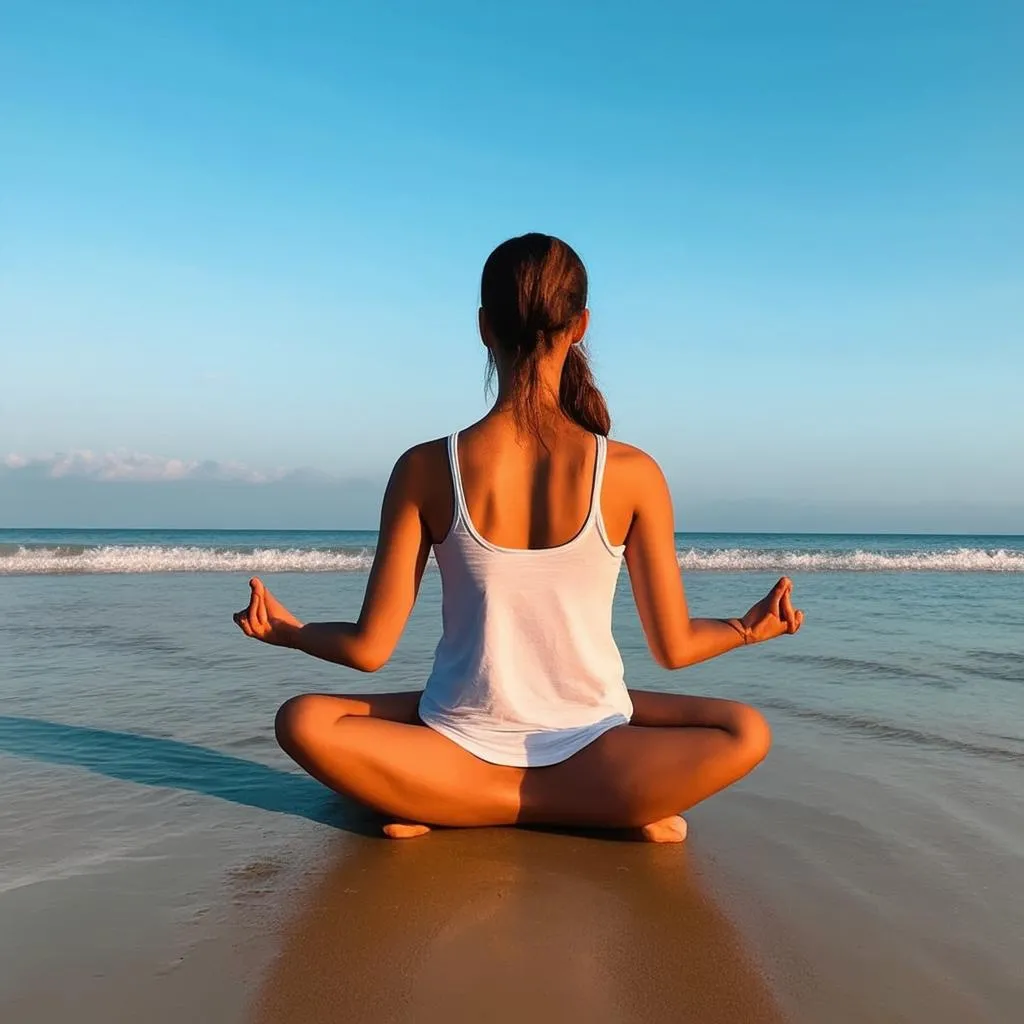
(579, 396)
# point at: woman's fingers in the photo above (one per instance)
(793, 617)
(254, 620)
(776, 596)
(788, 611)
(242, 621)
(259, 593)
(253, 601)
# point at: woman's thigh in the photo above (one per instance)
(375, 749)
(633, 775)
(656, 708)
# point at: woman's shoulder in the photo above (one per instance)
(418, 468)
(627, 460)
(635, 486)
(421, 478)
(636, 476)
(424, 456)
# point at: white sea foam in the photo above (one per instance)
(160, 558)
(951, 560)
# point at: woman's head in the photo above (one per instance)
(533, 296)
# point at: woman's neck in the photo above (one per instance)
(548, 384)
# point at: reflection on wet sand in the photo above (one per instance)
(507, 925)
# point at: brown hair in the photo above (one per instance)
(533, 288)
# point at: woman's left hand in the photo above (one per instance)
(266, 618)
(772, 616)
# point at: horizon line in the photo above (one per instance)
(342, 529)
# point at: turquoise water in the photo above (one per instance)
(132, 709)
(922, 662)
(925, 648)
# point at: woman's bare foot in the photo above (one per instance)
(404, 830)
(668, 830)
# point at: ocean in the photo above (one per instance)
(136, 730)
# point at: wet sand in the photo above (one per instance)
(775, 910)
(512, 926)
(794, 901)
(495, 925)
(161, 861)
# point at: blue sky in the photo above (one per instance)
(241, 240)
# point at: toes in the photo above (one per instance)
(668, 830)
(400, 830)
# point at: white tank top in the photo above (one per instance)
(527, 672)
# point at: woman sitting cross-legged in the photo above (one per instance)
(525, 716)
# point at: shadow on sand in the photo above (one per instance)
(505, 926)
(165, 763)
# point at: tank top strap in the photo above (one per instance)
(599, 462)
(460, 495)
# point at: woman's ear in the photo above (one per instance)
(579, 330)
(481, 321)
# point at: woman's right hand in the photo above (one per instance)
(266, 618)
(773, 615)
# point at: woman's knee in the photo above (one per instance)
(753, 734)
(300, 720)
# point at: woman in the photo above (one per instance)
(525, 717)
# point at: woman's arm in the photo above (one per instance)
(403, 545)
(675, 639)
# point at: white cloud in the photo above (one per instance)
(136, 467)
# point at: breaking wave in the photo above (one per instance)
(43, 560)
(158, 558)
(952, 560)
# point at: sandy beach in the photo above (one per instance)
(334, 923)
(161, 859)
(774, 911)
